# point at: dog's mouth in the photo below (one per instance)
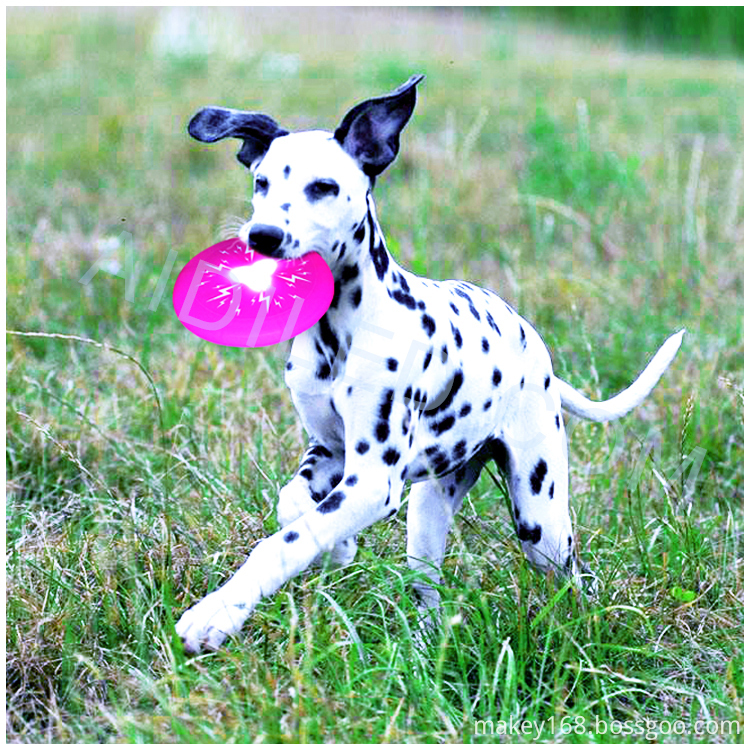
(270, 253)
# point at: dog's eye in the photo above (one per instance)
(321, 189)
(261, 185)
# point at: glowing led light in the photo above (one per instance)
(258, 276)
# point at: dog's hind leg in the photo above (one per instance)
(538, 484)
(430, 510)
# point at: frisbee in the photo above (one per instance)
(232, 295)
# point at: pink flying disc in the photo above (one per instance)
(232, 295)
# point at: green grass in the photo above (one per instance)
(601, 194)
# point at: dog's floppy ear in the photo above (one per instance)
(256, 130)
(370, 132)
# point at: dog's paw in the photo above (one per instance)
(205, 626)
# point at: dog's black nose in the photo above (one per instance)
(266, 240)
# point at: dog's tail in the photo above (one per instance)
(601, 411)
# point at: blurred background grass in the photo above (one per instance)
(594, 180)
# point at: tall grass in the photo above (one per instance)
(601, 195)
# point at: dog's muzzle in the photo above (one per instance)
(266, 239)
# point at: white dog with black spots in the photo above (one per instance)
(404, 379)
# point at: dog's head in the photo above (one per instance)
(311, 187)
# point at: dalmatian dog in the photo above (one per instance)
(403, 380)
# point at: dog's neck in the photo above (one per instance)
(363, 272)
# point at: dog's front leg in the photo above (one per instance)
(348, 509)
(320, 470)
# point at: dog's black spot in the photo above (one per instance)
(320, 450)
(485, 345)
(335, 479)
(444, 425)
(379, 259)
(531, 534)
(444, 400)
(523, 381)
(557, 421)
(457, 336)
(551, 490)
(405, 423)
(546, 382)
(439, 461)
(444, 354)
(392, 512)
(285, 207)
(362, 447)
(459, 450)
(398, 278)
(523, 336)
(359, 232)
(391, 457)
(348, 273)
(332, 502)
(386, 402)
(493, 325)
(428, 324)
(306, 474)
(465, 410)
(351, 480)
(516, 512)
(356, 297)
(382, 430)
(427, 358)
(537, 476)
(497, 377)
(472, 309)
(289, 365)
(392, 364)
(291, 536)
(455, 309)
(404, 299)
(287, 171)
(487, 404)
(329, 338)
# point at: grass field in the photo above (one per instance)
(598, 191)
